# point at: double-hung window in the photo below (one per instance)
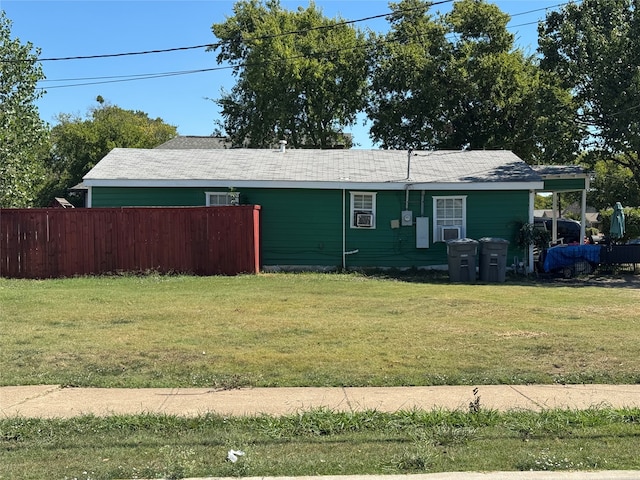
(449, 218)
(220, 199)
(363, 210)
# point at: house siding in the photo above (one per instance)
(564, 184)
(147, 197)
(304, 227)
(489, 214)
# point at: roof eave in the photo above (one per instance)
(319, 185)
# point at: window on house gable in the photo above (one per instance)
(449, 218)
(220, 199)
(363, 210)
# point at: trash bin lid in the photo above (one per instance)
(493, 240)
(462, 245)
(462, 241)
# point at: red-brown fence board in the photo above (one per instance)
(48, 243)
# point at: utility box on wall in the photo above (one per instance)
(422, 232)
(407, 218)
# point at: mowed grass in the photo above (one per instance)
(313, 330)
(318, 442)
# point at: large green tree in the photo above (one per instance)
(79, 143)
(22, 133)
(457, 81)
(300, 76)
(594, 46)
(612, 183)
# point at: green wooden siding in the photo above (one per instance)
(489, 214)
(304, 227)
(564, 184)
(148, 197)
(299, 227)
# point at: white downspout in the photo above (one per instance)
(532, 200)
(344, 230)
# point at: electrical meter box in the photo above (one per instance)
(407, 218)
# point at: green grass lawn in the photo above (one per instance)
(317, 330)
(313, 330)
(318, 442)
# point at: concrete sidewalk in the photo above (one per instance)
(51, 401)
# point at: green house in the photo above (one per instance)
(323, 209)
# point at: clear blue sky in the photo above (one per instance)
(97, 27)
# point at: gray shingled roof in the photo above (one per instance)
(564, 171)
(299, 167)
(190, 142)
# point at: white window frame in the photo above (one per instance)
(228, 198)
(450, 219)
(358, 206)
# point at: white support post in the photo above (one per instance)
(583, 216)
(532, 201)
(554, 217)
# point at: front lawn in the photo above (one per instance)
(313, 330)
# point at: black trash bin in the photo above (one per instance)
(461, 256)
(493, 259)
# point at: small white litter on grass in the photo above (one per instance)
(233, 455)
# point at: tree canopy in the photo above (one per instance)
(79, 143)
(594, 47)
(456, 81)
(22, 134)
(612, 183)
(301, 76)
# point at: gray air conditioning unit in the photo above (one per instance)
(364, 220)
(449, 233)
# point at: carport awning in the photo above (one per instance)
(562, 178)
(565, 178)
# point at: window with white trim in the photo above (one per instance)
(220, 199)
(363, 210)
(449, 218)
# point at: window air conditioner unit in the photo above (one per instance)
(364, 220)
(449, 233)
(233, 198)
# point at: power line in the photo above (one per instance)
(266, 37)
(150, 76)
(540, 9)
(127, 54)
(125, 78)
(216, 45)
(147, 76)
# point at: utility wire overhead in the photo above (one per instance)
(148, 76)
(218, 44)
(293, 32)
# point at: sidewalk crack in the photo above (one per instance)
(346, 398)
(42, 394)
(525, 396)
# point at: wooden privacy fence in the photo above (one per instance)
(49, 243)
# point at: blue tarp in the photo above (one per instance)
(568, 255)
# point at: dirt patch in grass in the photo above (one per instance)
(522, 334)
